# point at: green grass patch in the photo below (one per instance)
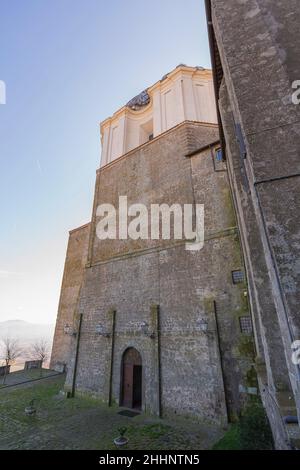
(231, 440)
(153, 431)
(14, 401)
(251, 432)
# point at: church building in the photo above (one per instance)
(146, 323)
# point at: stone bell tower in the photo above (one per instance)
(145, 323)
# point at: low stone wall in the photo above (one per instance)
(33, 365)
(4, 370)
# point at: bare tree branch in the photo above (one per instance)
(40, 350)
(10, 351)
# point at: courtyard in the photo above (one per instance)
(84, 423)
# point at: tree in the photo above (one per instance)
(10, 351)
(40, 350)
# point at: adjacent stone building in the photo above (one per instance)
(255, 54)
(148, 323)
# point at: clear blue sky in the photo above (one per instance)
(67, 65)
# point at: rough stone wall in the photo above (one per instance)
(133, 277)
(76, 258)
(258, 42)
(149, 176)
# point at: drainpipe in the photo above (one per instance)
(156, 324)
(76, 356)
(113, 314)
(159, 363)
(221, 359)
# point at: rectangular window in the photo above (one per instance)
(246, 325)
(146, 132)
(219, 155)
(238, 277)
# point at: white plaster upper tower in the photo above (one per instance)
(185, 94)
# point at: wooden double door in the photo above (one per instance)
(131, 379)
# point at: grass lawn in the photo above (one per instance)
(252, 432)
(84, 423)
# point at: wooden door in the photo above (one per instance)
(127, 385)
(131, 379)
(137, 387)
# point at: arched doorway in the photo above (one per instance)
(131, 379)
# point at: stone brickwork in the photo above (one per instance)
(72, 279)
(255, 46)
(186, 370)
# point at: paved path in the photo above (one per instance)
(82, 423)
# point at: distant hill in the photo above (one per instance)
(26, 333)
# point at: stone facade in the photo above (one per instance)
(254, 46)
(76, 258)
(187, 369)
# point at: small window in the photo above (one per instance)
(246, 325)
(219, 155)
(146, 132)
(238, 277)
